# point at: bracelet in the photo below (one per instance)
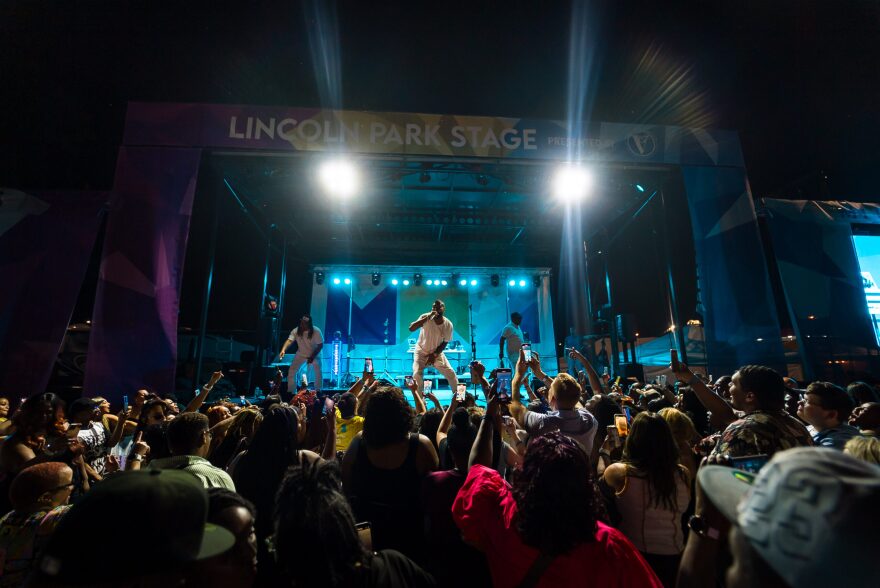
(136, 457)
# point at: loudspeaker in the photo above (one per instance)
(626, 327)
(632, 370)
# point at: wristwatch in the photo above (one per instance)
(136, 457)
(698, 525)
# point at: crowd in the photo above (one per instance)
(567, 481)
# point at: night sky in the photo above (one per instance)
(798, 79)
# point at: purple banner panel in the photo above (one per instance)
(133, 341)
(46, 239)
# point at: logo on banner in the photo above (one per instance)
(642, 144)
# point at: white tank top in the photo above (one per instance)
(652, 529)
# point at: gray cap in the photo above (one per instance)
(811, 514)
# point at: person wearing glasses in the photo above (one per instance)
(189, 440)
(39, 495)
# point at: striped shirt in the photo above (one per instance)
(201, 468)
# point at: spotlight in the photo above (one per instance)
(347, 281)
(511, 283)
(417, 280)
(394, 282)
(444, 282)
(571, 182)
(425, 177)
(473, 282)
(339, 177)
(319, 278)
(406, 282)
(336, 281)
(494, 279)
(430, 282)
(376, 278)
(522, 283)
(463, 283)
(640, 188)
(537, 281)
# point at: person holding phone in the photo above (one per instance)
(436, 332)
(309, 343)
(511, 334)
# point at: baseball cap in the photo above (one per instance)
(810, 513)
(173, 506)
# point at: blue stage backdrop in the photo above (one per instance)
(488, 307)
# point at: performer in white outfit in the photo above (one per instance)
(309, 344)
(513, 334)
(435, 334)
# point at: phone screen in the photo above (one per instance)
(750, 463)
(125, 403)
(305, 380)
(243, 401)
(329, 406)
(621, 424)
(673, 355)
(527, 351)
(368, 365)
(408, 380)
(503, 377)
(460, 393)
(628, 414)
(428, 385)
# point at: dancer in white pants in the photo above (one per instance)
(436, 332)
(309, 344)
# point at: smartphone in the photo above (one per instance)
(125, 403)
(329, 406)
(629, 417)
(617, 381)
(460, 393)
(611, 431)
(527, 351)
(365, 534)
(427, 386)
(605, 371)
(503, 376)
(73, 429)
(673, 356)
(243, 401)
(368, 365)
(662, 380)
(305, 381)
(408, 381)
(750, 463)
(621, 424)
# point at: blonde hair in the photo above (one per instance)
(864, 448)
(682, 426)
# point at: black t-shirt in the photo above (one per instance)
(392, 569)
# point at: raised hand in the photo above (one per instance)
(521, 365)
(215, 377)
(478, 370)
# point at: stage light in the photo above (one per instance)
(394, 282)
(640, 188)
(536, 281)
(347, 281)
(571, 182)
(473, 282)
(494, 280)
(319, 278)
(444, 282)
(406, 282)
(463, 283)
(430, 282)
(522, 283)
(376, 278)
(417, 280)
(511, 283)
(339, 177)
(336, 281)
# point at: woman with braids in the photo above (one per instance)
(652, 492)
(545, 530)
(315, 541)
(258, 471)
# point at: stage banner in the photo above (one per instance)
(824, 288)
(741, 325)
(133, 343)
(313, 129)
(46, 240)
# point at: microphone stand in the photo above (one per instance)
(473, 329)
